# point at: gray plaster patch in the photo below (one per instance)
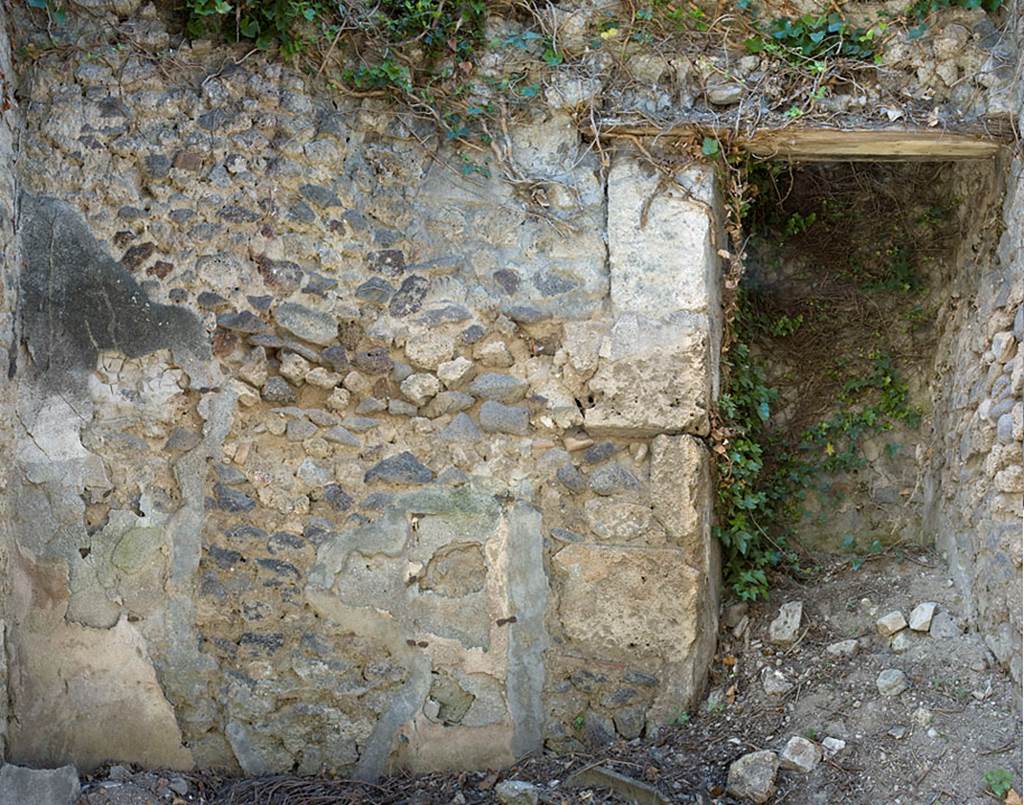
(528, 592)
(76, 300)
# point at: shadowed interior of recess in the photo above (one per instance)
(841, 337)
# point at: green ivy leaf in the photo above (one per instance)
(709, 147)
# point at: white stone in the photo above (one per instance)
(420, 388)
(752, 777)
(775, 683)
(453, 372)
(494, 354)
(921, 616)
(654, 377)
(1003, 345)
(900, 641)
(660, 246)
(832, 746)
(429, 350)
(800, 755)
(294, 368)
(338, 400)
(842, 648)
(323, 378)
(785, 629)
(516, 792)
(892, 682)
(890, 623)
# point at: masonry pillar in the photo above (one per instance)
(647, 597)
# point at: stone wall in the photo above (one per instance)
(976, 486)
(328, 456)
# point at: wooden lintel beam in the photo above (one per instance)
(832, 145)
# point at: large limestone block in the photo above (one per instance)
(620, 603)
(660, 240)
(653, 377)
(681, 495)
(629, 602)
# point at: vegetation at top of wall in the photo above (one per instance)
(426, 53)
(770, 458)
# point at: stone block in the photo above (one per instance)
(681, 495)
(39, 786)
(655, 377)
(660, 240)
(620, 603)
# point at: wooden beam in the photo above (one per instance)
(836, 145)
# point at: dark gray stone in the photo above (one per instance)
(310, 325)
(375, 361)
(599, 452)
(229, 474)
(224, 557)
(496, 417)
(235, 214)
(376, 291)
(336, 357)
(444, 314)
(157, 166)
(76, 300)
(1018, 324)
(283, 276)
(598, 729)
(389, 262)
(215, 119)
(360, 424)
(301, 212)
(265, 642)
(231, 500)
(283, 541)
(371, 405)
(587, 681)
(550, 284)
(619, 697)
(243, 321)
(409, 297)
(565, 535)
(472, 334)
(279, 567)
(340, 435)
(337, 498)
(507, 279)
(320, 195)
(318, 284)
(635, 677)
(182, 439)
(208, 300)
(403, 468)
(525, 314)
(461, 429)
(612, 479)
(630, 721)
(499, 387)
(277, 390)
(571, 478)
(243, 532)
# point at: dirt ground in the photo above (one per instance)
(933, 744)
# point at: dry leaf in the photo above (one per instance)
(1012, 798)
